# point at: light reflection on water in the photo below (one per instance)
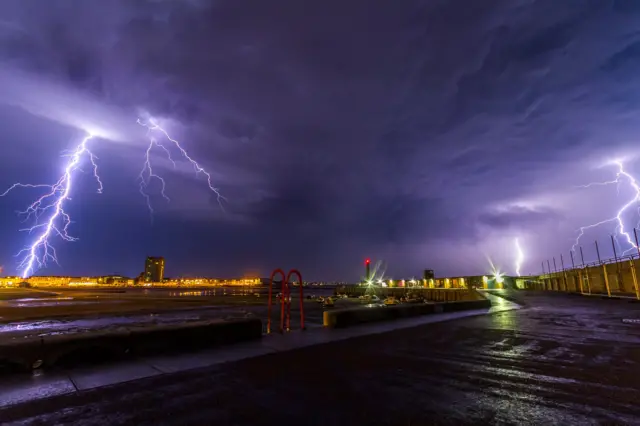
(38, 299)
(224, 291)
(45, 327)
(198, 293)
(39, 304)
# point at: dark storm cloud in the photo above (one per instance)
(355, 124)
(518, 218)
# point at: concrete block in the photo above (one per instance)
(360, 315)
(85, 347)
(92, 347)
(352, 316)
(180, 337)
(21, 353)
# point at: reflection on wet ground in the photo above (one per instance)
(22, 329)
(77, 311)
(58, 301)
(562, 360)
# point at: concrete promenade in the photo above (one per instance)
(561, 359)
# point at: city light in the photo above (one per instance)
(110, 281)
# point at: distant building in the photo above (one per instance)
(114, 279)
(428, 274)
(154, 269)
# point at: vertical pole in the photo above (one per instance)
(564, 274)
(555, 273)
(542, 263)
(604, 270)
(606, 279)
(632, 265)
(549, 269)
(618, 270)
(573, 268)
(613, 245)
(580, 281)
(586, 270)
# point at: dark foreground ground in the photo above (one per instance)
(561, 360)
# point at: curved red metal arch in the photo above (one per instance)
(273, 274)
(288, 280)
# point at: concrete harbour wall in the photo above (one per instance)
(33, 352)
(340, 318)
(615, 279)
(430, 294)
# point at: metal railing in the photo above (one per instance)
(285, 300)
(584, 267)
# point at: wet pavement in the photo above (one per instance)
(561, 360)
(28, 313)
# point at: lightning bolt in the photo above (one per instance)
(519, 256)
(48, 211)
(147, 172)
(52, 204)
(621, 175)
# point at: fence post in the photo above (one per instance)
(586, 270)
(564, 274)
(606, 279)
(604, 269)
(580, 279)
(634, 277)
(618, 270)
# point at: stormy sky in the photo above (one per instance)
(427, 134)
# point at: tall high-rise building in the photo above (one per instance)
(154, 269)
